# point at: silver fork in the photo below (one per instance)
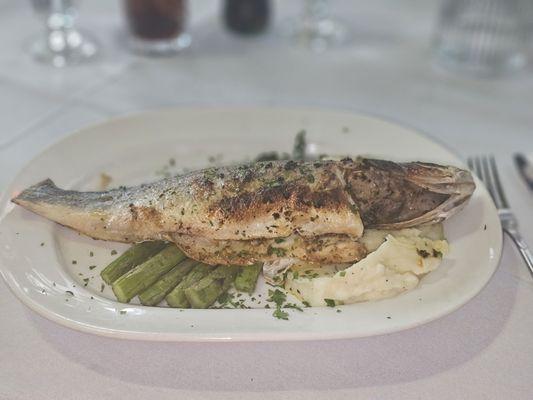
(485, 168)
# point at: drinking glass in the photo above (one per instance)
(62, 43)
(157, 27)
(482, 37)
(316, 28)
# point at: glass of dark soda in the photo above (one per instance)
(157, 27)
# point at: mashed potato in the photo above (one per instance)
(395, 264)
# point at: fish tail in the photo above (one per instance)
(99, 215)
(39, 192)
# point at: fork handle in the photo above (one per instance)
(523, 248)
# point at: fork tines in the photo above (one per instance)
(484, 167)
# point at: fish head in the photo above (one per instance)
(394, 195)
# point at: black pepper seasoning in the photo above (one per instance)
(247, 16)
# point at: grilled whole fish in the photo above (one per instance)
(261, 201)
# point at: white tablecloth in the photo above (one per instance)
(482, 351)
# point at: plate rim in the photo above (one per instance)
(239, 337)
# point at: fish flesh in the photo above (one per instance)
(322, 249)
(217, 213)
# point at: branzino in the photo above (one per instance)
(262, 201)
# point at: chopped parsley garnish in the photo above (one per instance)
(330, 302)
(277, 297)
(292, 305)
(113, 252)
(92, 266)
(276, 250)
(280, 314)
(422, 253)
(342, 273)
(437, 254)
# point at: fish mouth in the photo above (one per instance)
(457, 183)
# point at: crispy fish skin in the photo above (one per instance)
(262, 201)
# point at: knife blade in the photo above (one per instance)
(525, 168)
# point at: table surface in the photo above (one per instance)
(484, 350)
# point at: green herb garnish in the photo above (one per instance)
(437, 253)
(330, 302)
(277, 297)
(280, 314)
(422, 253)
(276, 250)
(292, 305)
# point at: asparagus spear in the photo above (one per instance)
(176, 298)
(139, 278)
(247, 278)
(207, 290)
(135, 255)
(157, 292)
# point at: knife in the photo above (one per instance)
(525, 168)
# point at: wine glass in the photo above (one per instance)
(316, 29)
(62, 43)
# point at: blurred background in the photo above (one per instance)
(455, 69)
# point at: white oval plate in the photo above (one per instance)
(37, 256)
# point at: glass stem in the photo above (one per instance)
(61, 17)
(316, 10)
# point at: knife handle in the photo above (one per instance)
(524, 168)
